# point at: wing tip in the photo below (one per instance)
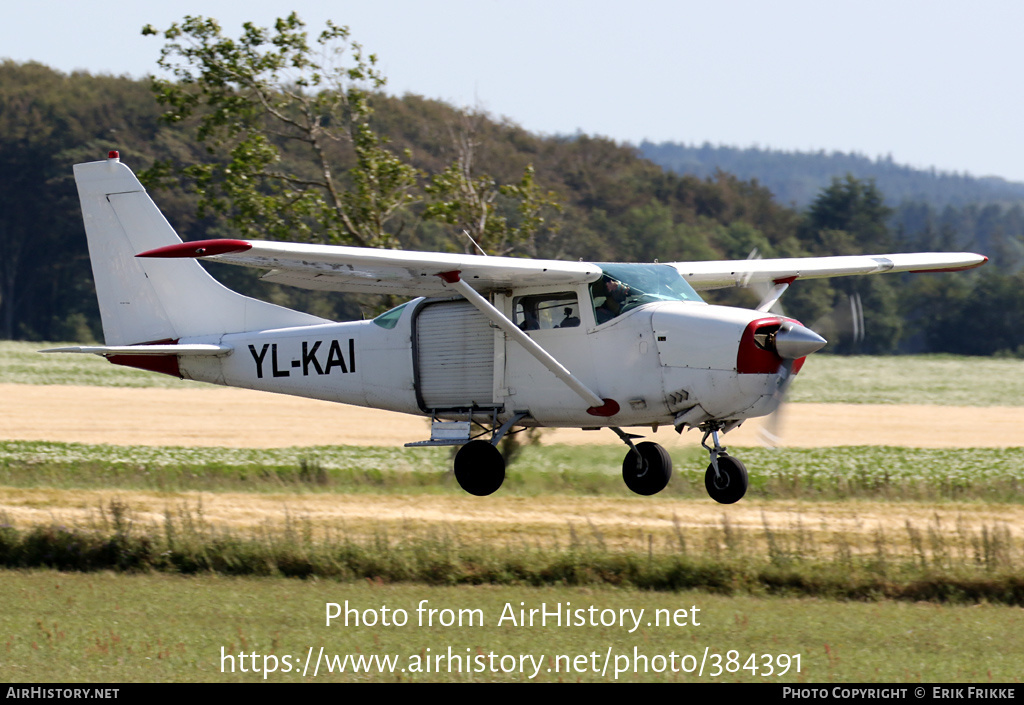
(977, 261)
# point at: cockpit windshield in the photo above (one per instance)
(625, 286)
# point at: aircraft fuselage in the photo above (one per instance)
(440, 357)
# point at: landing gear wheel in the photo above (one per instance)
(479, 468)
(654, 472)
(731, 483)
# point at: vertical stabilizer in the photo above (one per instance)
(146, 300)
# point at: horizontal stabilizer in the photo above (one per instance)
(189, 349)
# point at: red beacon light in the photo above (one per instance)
(113, 155)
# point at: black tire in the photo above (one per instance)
(653, 474)
(479, 468)
(731, 484)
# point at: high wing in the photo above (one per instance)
(368, 270)
(724, 273)
(407, 273)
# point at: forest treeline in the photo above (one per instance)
(612, 204)
(797, 177)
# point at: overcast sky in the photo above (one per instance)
(933, 83)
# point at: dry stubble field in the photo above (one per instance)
(240, 418)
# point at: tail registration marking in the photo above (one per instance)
(308, 359)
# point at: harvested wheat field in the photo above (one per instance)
(241, 418)
(644, 523)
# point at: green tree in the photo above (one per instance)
(49, 121)
(978, 314)
(498, 218)
(850, 218)
(279, 122)
(257, 98)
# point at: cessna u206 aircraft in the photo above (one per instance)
(490, 344)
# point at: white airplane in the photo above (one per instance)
(490, 344)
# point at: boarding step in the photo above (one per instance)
(446, 433)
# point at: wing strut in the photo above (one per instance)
(774, 294)
(598, 406)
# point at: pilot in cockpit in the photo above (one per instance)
(614, 292)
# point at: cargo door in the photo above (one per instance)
(454, 355)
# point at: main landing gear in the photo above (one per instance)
(479, 467)
(647, 467)
(726, 477)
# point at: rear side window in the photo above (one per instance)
(547, 311)
(389, 319)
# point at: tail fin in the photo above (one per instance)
(147, 300)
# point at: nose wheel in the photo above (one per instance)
(726, 477)
(728, 483)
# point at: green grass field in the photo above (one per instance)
(813, 474)
(102, 627)
(913, 379)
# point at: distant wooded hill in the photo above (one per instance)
(798, 177)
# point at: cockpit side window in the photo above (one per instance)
(609, 296)
(546, 311)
